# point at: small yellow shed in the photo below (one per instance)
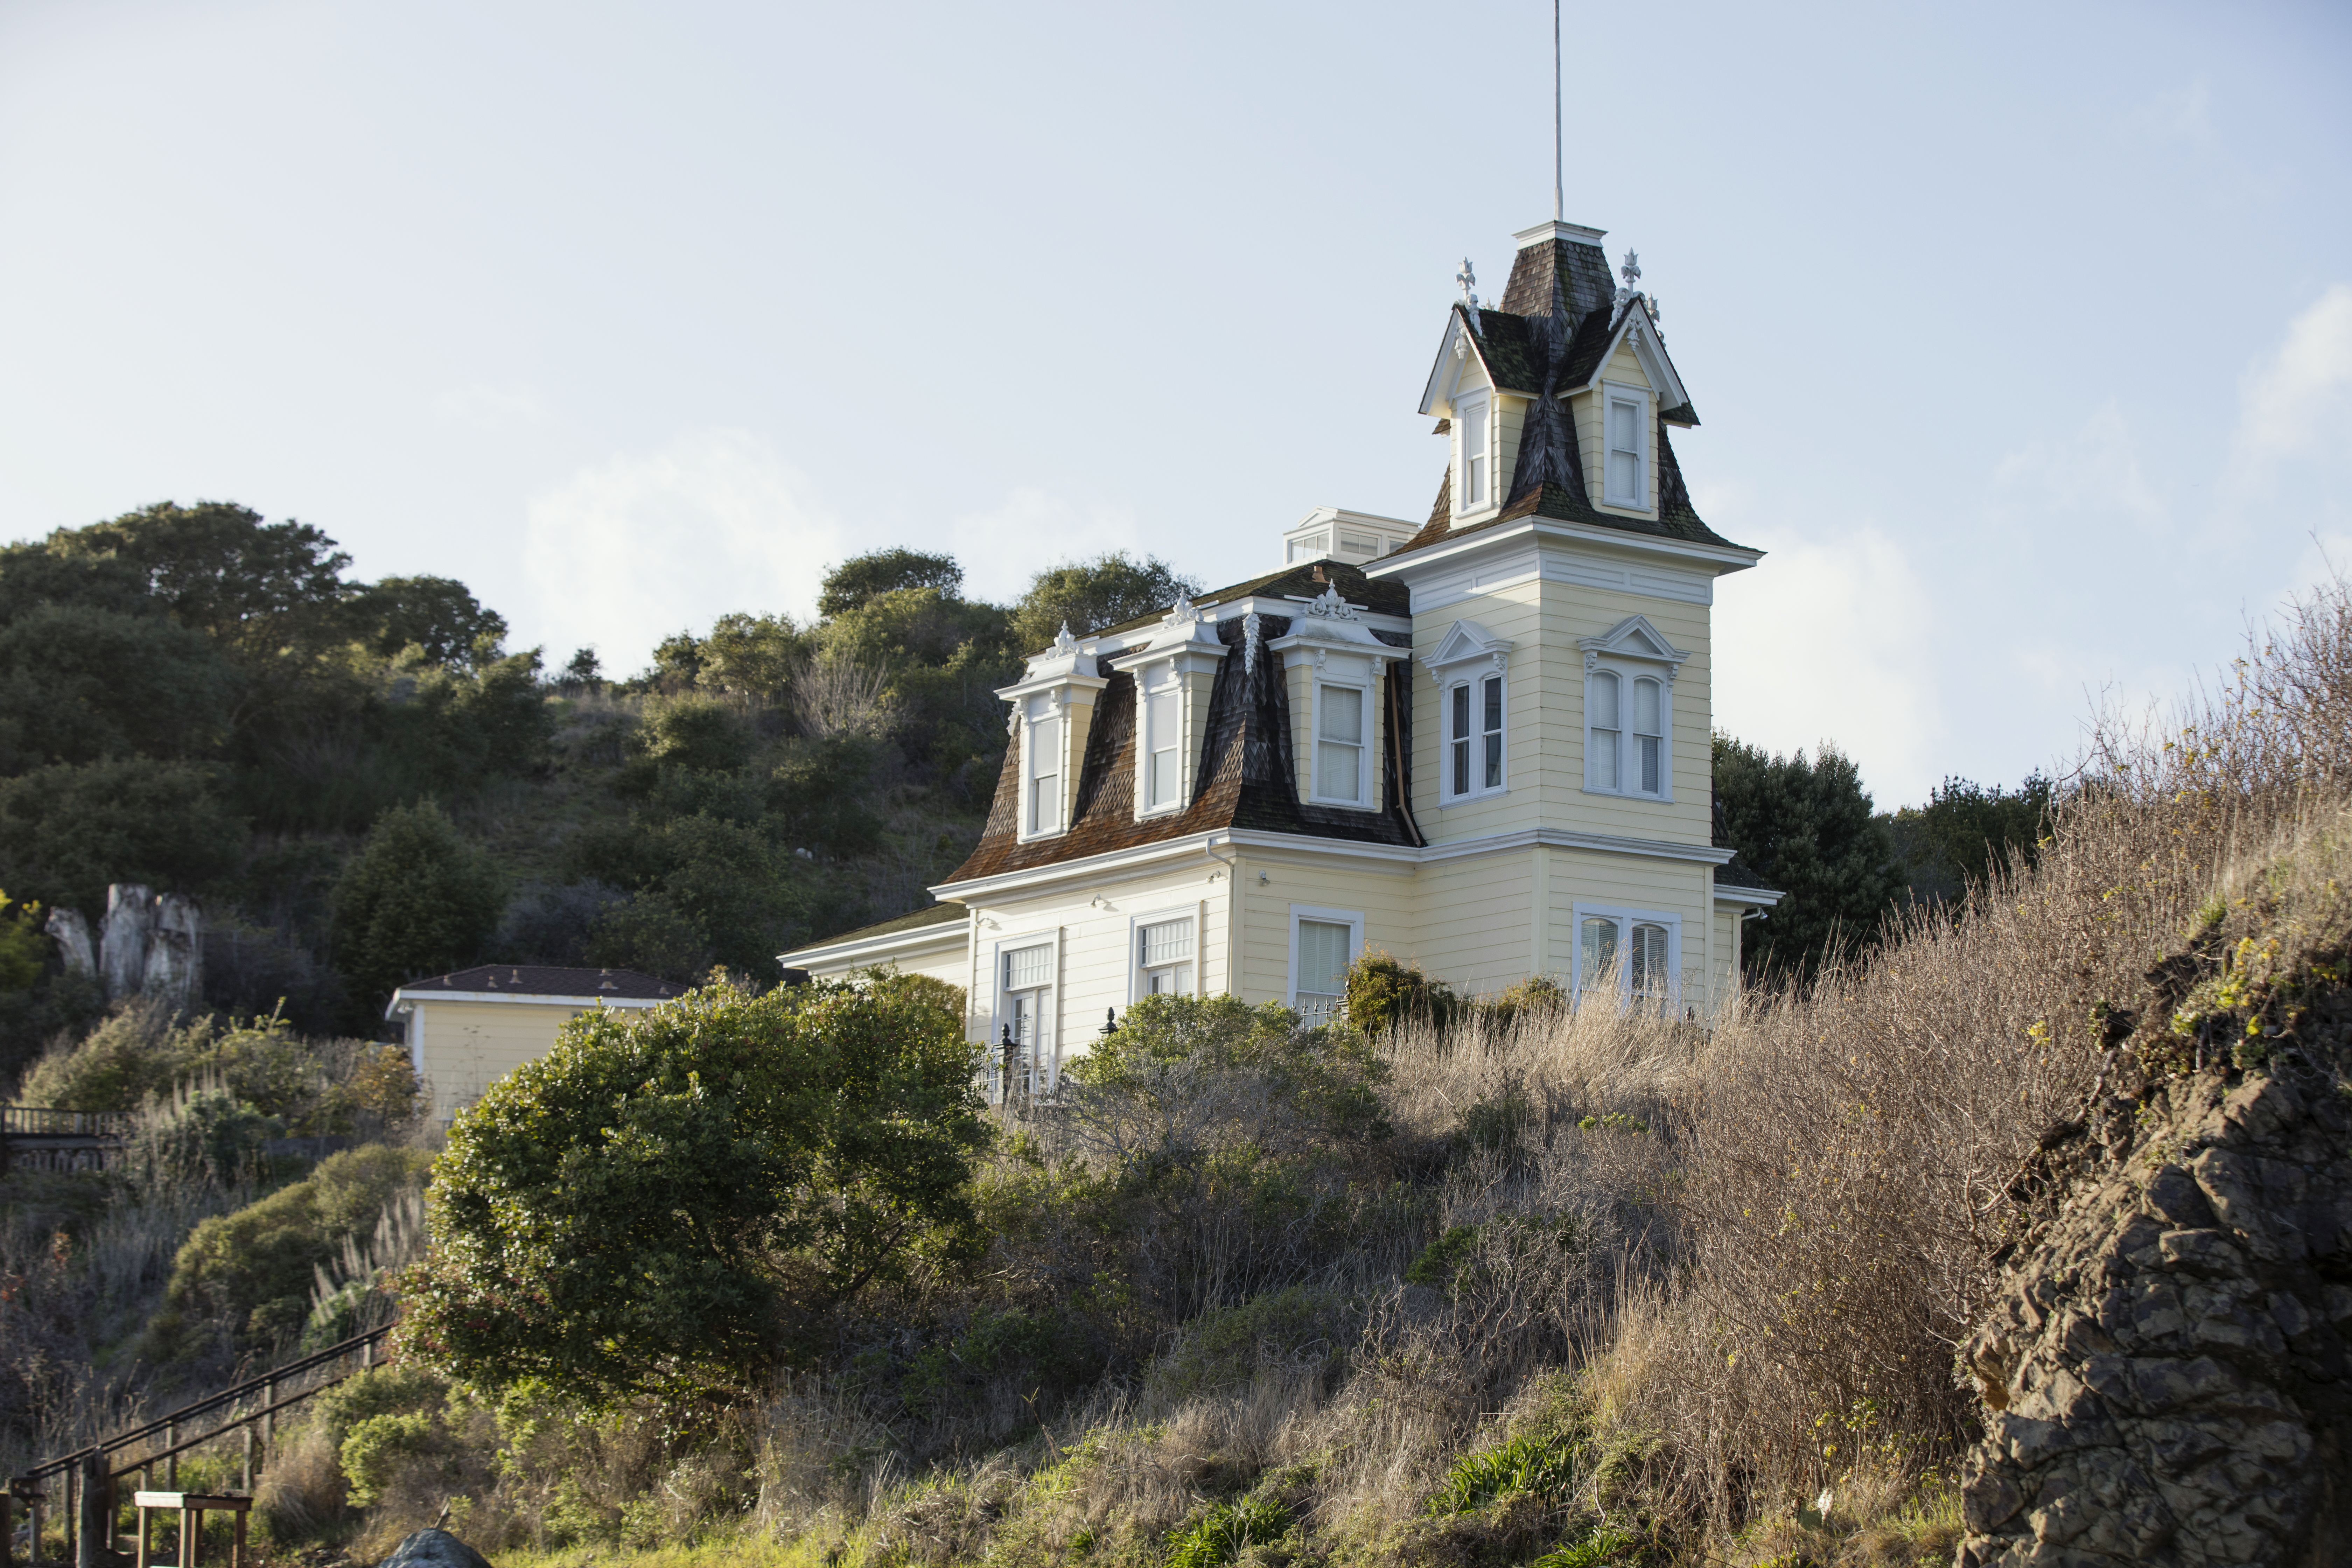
(469, 1029)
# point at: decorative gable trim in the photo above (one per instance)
(1454, 351)
(1639, 333)
(1467, 642)
(1634, 638)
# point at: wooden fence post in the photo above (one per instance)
(94, 1530)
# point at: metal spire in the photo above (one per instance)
(1557, 214)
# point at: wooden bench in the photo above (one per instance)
(192, 1507)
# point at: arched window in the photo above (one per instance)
(1607, 734)
(1649, 739)
(1473, 737)
(1632, 955)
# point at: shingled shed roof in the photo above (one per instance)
(1247, 777)
(546, 980)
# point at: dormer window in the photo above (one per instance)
(1625, 460)
(1163, 739)
(1044, 770)
(1340, 743)
(1470, 419)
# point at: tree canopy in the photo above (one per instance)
(1805, 826)
(1088, 596)
(673, 1201)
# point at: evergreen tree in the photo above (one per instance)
(1805, 826)
(416, 900)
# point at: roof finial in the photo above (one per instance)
(1632, 273)
(1468, 279)
(1064, 642)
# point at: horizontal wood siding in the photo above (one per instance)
(469, 1045)
(1571, 612)
(1385, 899)
(1474, 920)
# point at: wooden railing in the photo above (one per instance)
(47, 1121)
(88, 1475)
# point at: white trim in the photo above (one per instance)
(1625, 918)
(1726, 558)
(1352, 919)
(1755, 897)
(945, 933)
(1398, 857)
(1135, 924)
(1573, 233)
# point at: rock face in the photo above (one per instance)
(2166, 1373)
(434, 1549)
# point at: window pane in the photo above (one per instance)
(1461, 767)
(1029, 966)
(1645, 708)
(1652, 784)
(1650, 978)
(1492, 703)
(1461, 711)
(1604, 758)
(1165, 783)
(1494, 761)
(1342, 712)
(1045, 747)
(1604, 701)
(1600, 954)
(1625, 477)
(1160, 718)
(1323, 958)
(1621, 428)
(1045, 804)
(1337, 775)
(1167, 942)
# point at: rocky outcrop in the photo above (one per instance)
(2166, 1373)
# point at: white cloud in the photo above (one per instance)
(2297, 403)
(1833, 641)
(2095, 470)
(624, 555)
(1031, 528)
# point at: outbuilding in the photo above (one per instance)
(469, 1029)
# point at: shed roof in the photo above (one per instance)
(546, 980)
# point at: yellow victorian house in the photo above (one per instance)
(1482, 744)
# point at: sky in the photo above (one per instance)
(2021, 335)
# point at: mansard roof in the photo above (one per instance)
(1247, 777)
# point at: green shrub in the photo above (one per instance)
(1441, 1263)
(1221, 1534)
(1544, 1465)
(1602, 1545)
(1384, 992)
(1222, 1348)
(248, 1274)
(379, 1448)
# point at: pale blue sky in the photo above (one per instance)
(2023, 334)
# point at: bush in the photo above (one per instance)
(1226, 1531)
(675, 1201)
(246, 1276)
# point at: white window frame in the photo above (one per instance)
(1146, 739)
(1475, 683)
(1613, 392)
(1058, 715)
(1627, 918)
(1352, 919)
(1366, 779)
(1049, 1019)
(1627, 671)
(1196, 912)
(1482, 404)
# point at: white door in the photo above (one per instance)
(1024, 1057)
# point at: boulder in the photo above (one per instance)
(434, 1549)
